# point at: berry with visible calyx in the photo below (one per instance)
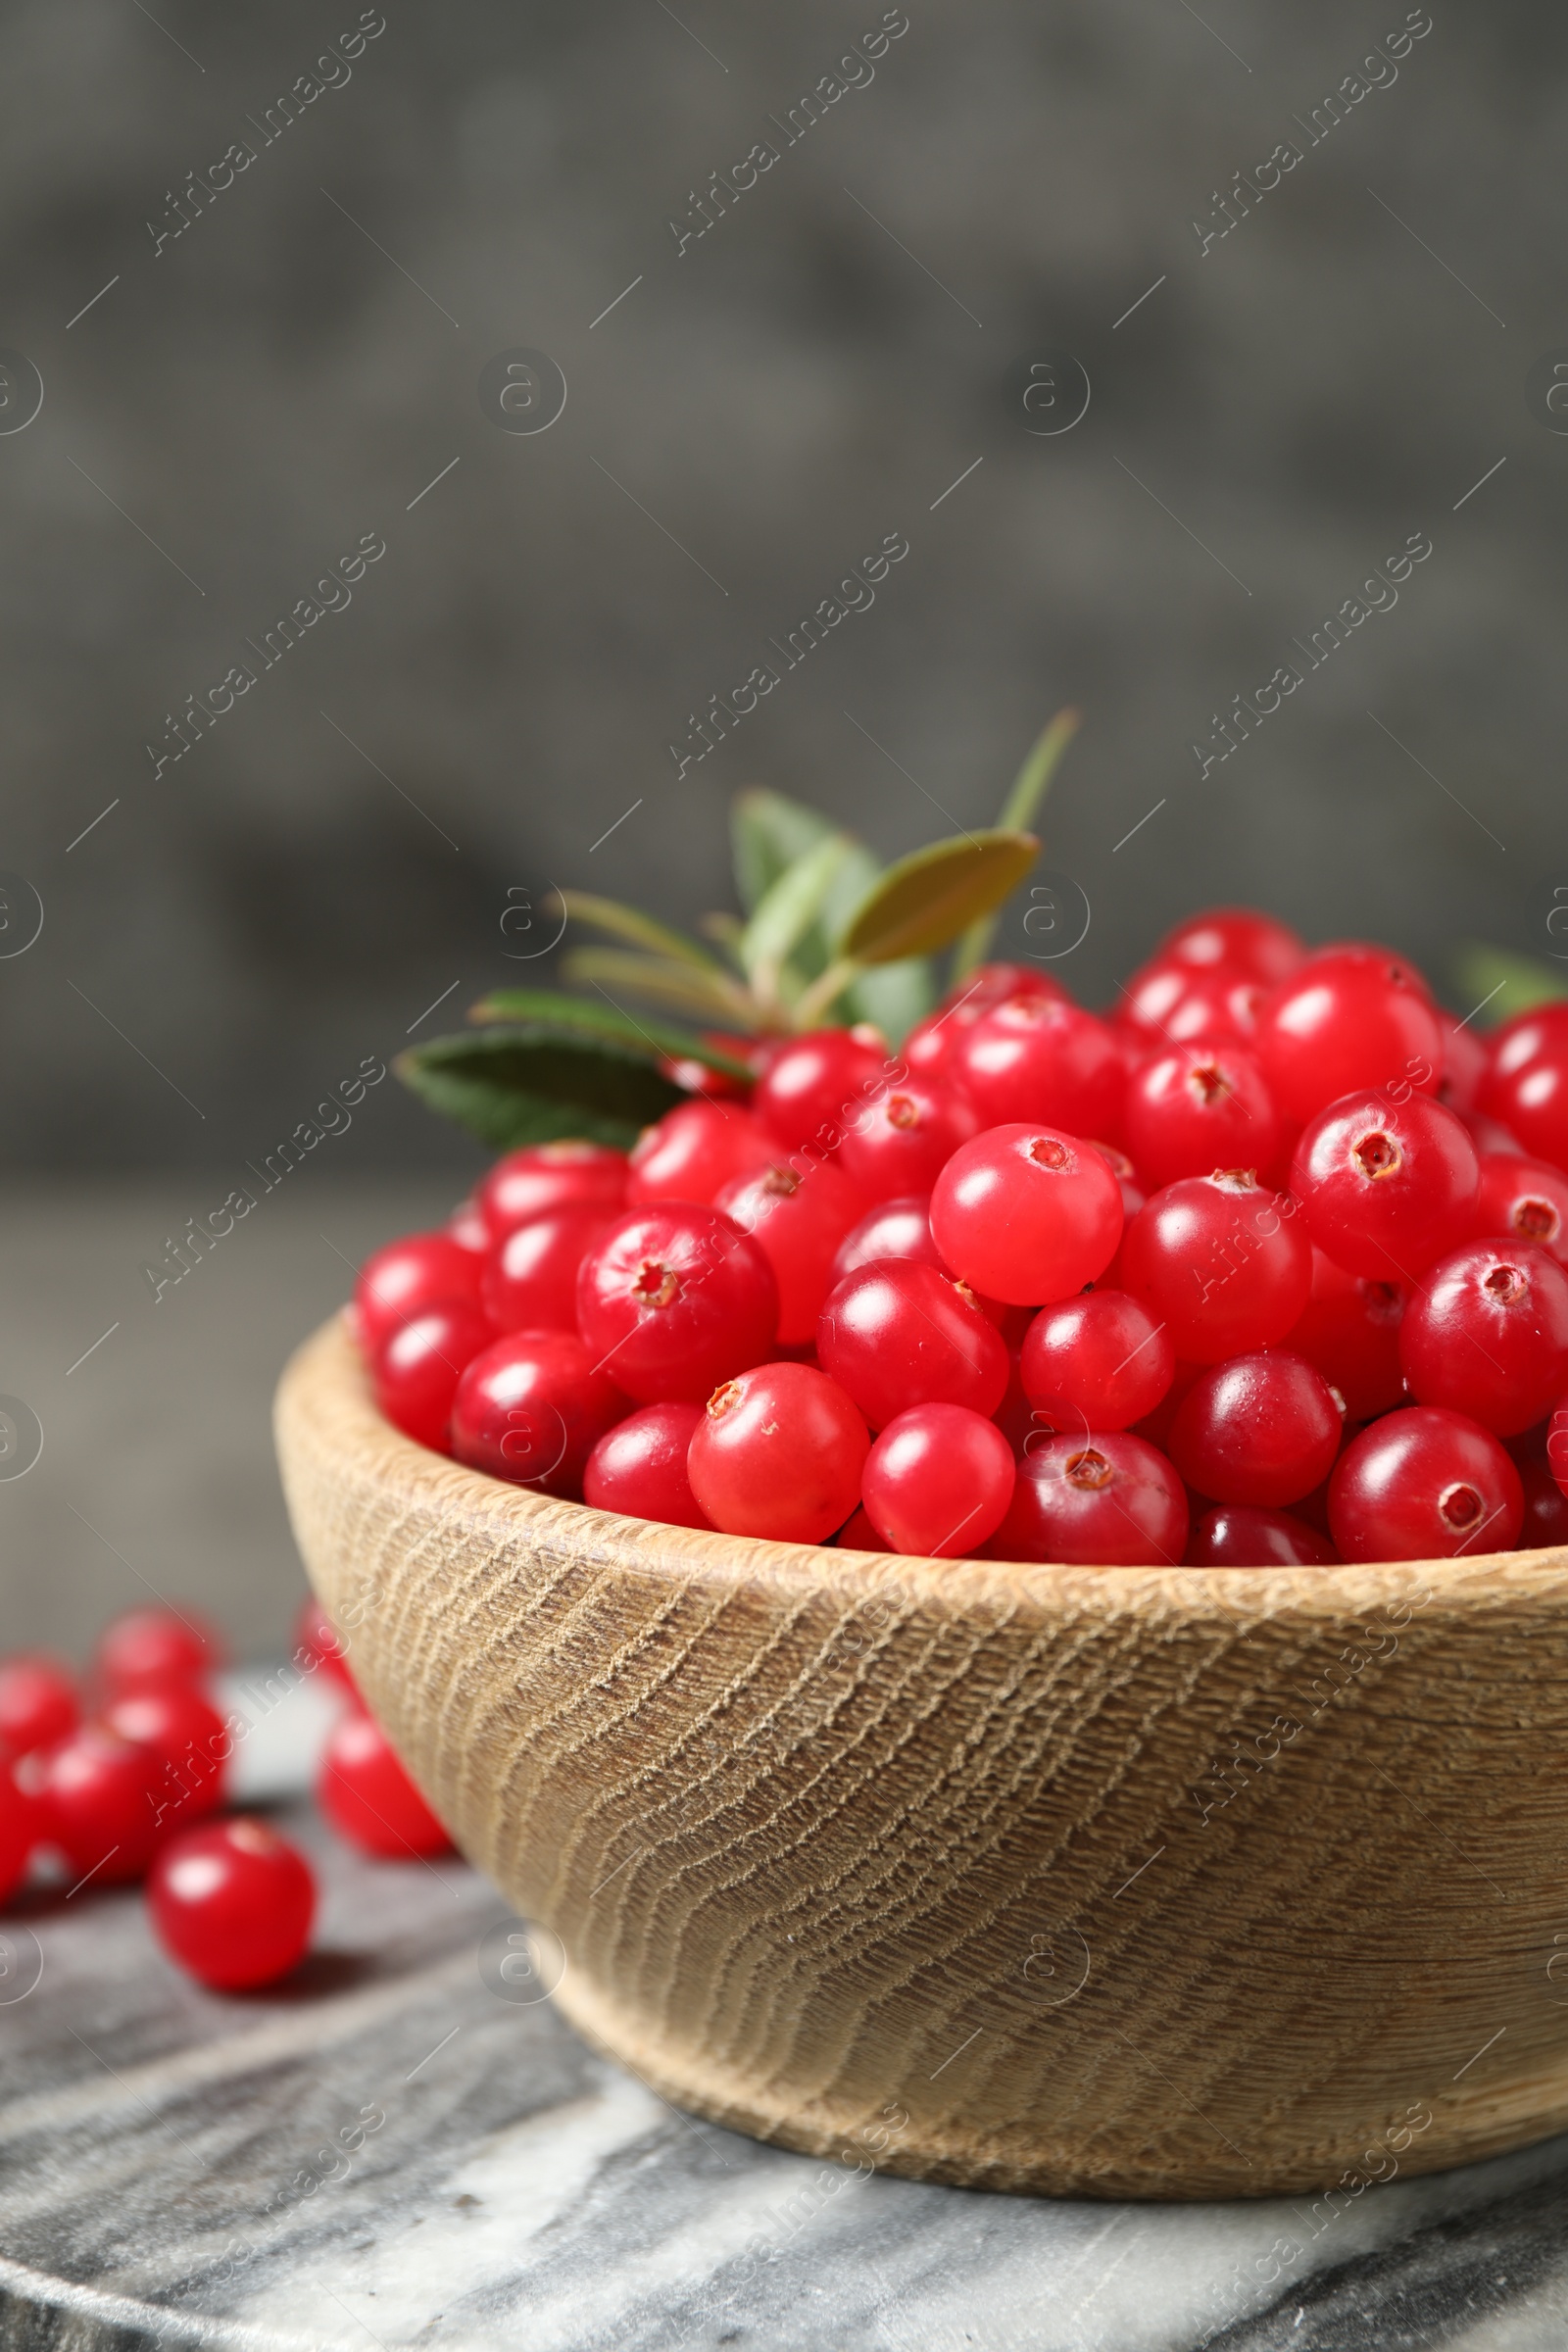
(695, 1150)
(1221, 1262)
(938, 1481)
(543, 1177)
(370, 1800)
(778, 1453)
(416, 1372)
(797, 1217)
(1424, 1484)
(1262, 1429)
(1487, 1335)
(38, 1703)
(1111, 1501)
(1349, 1331)
(405, 1278)
(1196, 1108)
(896, 1334)
(1026, 1215)
(894, 1229)
(639, 1467)
(232, 1904)
(189, 1739)
(902, 1142)
(98, 1797)
(531, 1408)
(530, 1279)
(1254, 943)
(143, 1649)
(1238, 1534)
(1525, 1200)
(1348, 1020)
(675, 1298)
(814, 1086)
(1039, 1057)
(1096, 1362)
(1386, 1187)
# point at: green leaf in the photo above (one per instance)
(546, 1012)
(706, 994)
(640, 930)
(1019, 809)
(786, 911)
(893, 996)
(768, 833)
(1501, 984)
(923, 902)
(512, 1085)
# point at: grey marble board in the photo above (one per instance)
(395, 2150)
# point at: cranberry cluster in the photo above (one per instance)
(1267, 1265)
(122, 1780)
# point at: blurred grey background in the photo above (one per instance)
(842, 355)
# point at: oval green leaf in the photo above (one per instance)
(923, 902)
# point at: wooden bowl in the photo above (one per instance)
(1114, 1882)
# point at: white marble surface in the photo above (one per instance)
(158, 2146)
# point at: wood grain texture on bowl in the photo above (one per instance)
(1117, 1881)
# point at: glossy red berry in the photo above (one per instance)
(467, 1227)
(233, 1903)
(778, 1453)
(639, 1467)
(901, 1142)
(892, 1229)
(1526, 1087)
(1112, 1502)
(1545, 1517)
(798, 1215)
(815, 1086)
(1041, 1058)
(859, 1534)
(675, 1298)
(189, 1741)
(416, 1372)
(144, 1647)
(1096, 1362)
(542, 1177)
(1026, 1215)
(1465, 1066)
(695, 1150)
(38, 1702)
(938, 1481)
(1236, 1535)
(1221, 1262)
(929, 1050)
(1349, 1331)
(317, 1643)
(1348, 1020)
(1487, 1335)
(19, 1830)
(1196, 1108)
(1254, 943)
(530, 1279)
(1386, 1187)
(98, 1797)
(531, 1408)
(370, 1800)
(896, 1334)
(1262, 1429)
(1175, 1004)
(1523, 1201)
(1424, 1484)
(421, 1271)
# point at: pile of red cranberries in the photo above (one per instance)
(1265, 1266)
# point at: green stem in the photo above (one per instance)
(1029, 789)
(818, 1001)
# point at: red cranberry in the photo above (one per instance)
(994, 982)
(857, 1533)
(1524, 1199)
(639, 1467)
(1155, 1428)
(929, 1050)
(532, 1408)
(1221, 1262)
(370, 1800)
(1110, 1502)
(1424, 1484)
(1465, 1066)
(1488, 1334)
(530, 1281)
(318, 1641)
(1133, 1193)
(99, 1797)
(1197, 1107)
(401, 1281)
(186, 1736)
(1026, 1215)
(145, 1648)
(1036, 1058)
(467, 1227)
(1526, 1087)
(19, 1830)
(38, 1703)
(542, 1177)
(1386, 1187)
(1545, 1519)
(1348, 1020)
(233, 1903)
(892, 1229)
(1097, 1361)
(797, 1217)
(896, 1334)
(416, 1373)
(1539, 1035)
(698, 1078)
(778, 1453)
(695, 1150)
(815, 1086)
(1350, 1330)
(1262, 1429)
(675, 1298)
(901, 1142)
(1254, 943)
(1236, 1535)
(1178, 1003)
(938, 1481)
